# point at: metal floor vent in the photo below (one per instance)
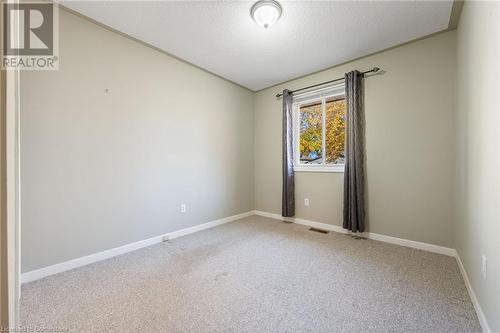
(319, 230)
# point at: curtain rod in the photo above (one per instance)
(373, 70)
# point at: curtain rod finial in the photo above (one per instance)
(375, 69)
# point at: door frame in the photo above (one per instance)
(11, 92)
(13, 196)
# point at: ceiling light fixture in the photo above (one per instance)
(266, 12)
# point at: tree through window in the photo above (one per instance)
(321, 131)
(335, 131)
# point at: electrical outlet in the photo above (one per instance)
(306, 202)
(484, 266)
(183, 208)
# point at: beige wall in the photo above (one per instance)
(478, 223)
(100, 170)
(410, 145)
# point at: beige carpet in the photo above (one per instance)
(257, 275)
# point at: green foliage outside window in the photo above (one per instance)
(335, 131)
(311, 132)
(311, 127)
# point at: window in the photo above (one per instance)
(319, 133)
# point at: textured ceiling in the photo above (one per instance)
(222, 38)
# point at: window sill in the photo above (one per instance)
(327, 169)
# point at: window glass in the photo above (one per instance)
(311, 133)
(335, 114)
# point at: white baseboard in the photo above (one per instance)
(413, 244)
(472, 295)
(383, 238)
(82, 261)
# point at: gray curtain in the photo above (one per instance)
(288, 192)
(354, 173)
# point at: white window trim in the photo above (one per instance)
(319, 168)
(298, 167)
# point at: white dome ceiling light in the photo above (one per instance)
(266, 12)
